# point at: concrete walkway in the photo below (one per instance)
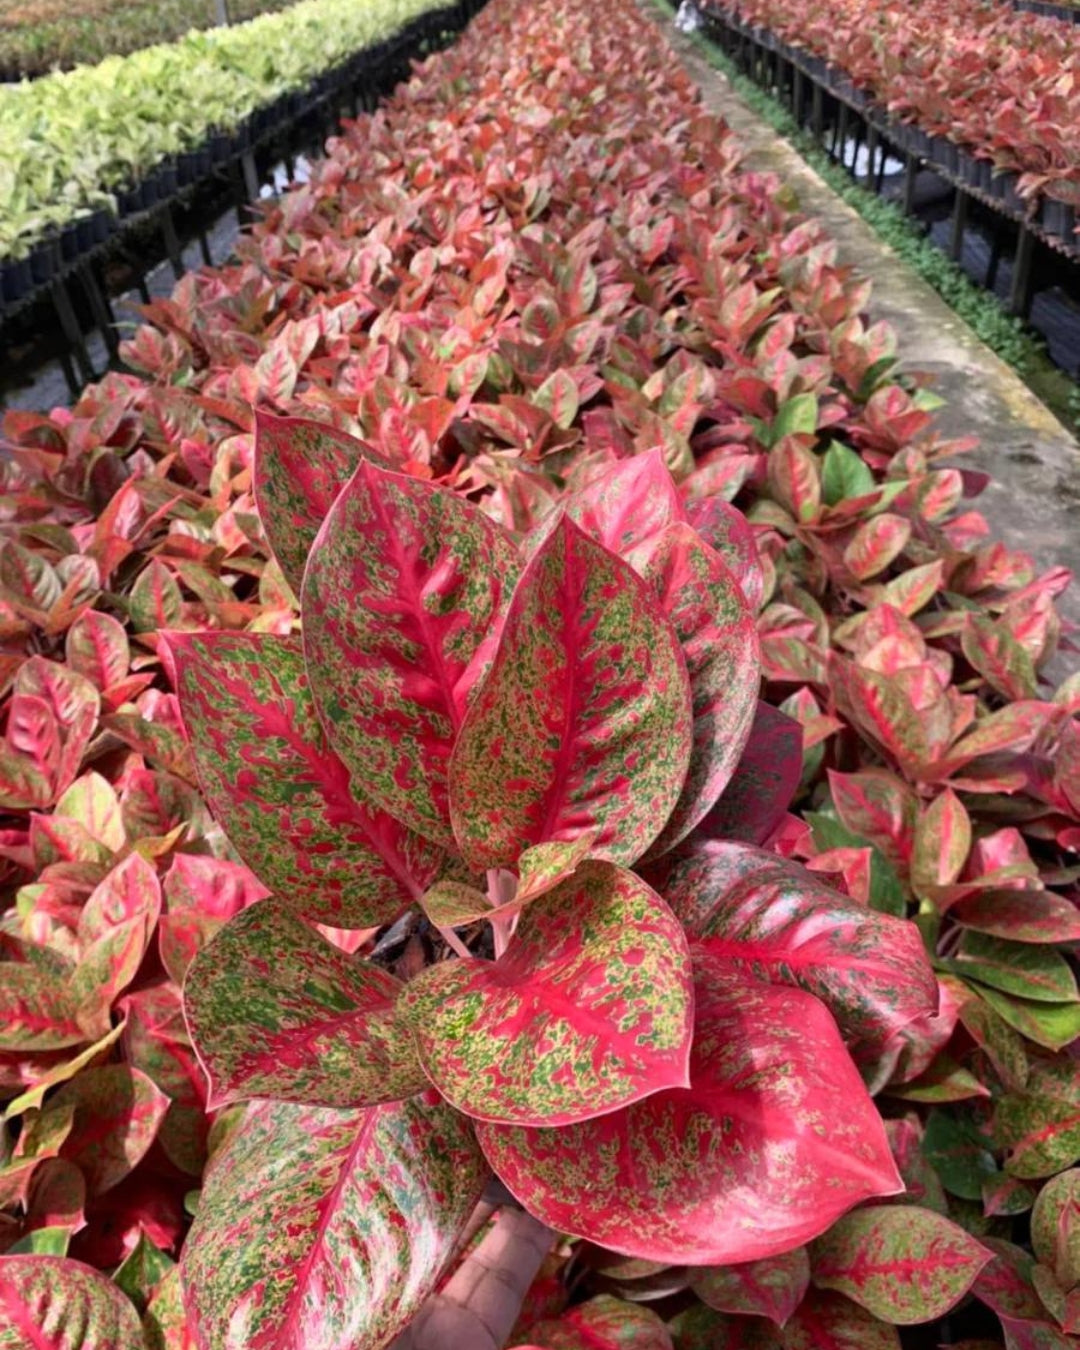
(1033, 502)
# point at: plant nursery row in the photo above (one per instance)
(39, 35)
(73, 142)
(662, 807)
(1001, 84)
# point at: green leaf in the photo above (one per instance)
(844, 474)
(903, 1264)
(1028, 970)
(41, 1242)
(960, 1155)
(277, 1011)
(1052, 1025)
(796, 416)
(142, 1270)
(772, 1288)
(300, 1201)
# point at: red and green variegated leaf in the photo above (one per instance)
(601, 1323)
(1053, 1025)
(718, 637)
(320, 1228)
(1004, 1283)
(131, 891)
(280, 792)
(583, 722)
(450, 903)
(1039, 1127)
(773, 919)
(300, 467)
(942, 843)
(97, 648)
(726, 529)
(902, 1263)
(401, 601)
(628, 506)
(166, 1325)
(700, 1328)
(764, 782)
(51, 1303)
(201, 893)
(41, 1137)
(879, 807)
(118, 1111)
(773, 1140)
(1004, 664)
(39, 1009)
(1055, 1227)
(275, 1011)
(1020, 916)
(826, 1321)
(156, 1041)
(588, 1010)
(771, 1288)
(875, 544)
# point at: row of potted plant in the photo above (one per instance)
(79, 142)
(999, 84)
(661, 709)
(37, 36)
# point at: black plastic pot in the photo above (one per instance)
(1058, 218)
(102, 224)
(16, 279)
(167, 180)
(45, 261)
(84, 232)
(69, 241)
(220, 147)
(129, 200)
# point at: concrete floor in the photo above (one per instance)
(1033, 502)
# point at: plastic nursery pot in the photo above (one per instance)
(1058, 219)
(102, 224)
(15, 279)
(84, 233)
(220, 146)
(45, 261)
(167, 179)
(985, 175)
(129, 200)
(70, 247)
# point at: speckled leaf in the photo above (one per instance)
(52, 1303)
(165, 1324)
(772, 1288)
(275, 1011)
(774, 1139)
(1055, 1227)
(902, 1263)
(280, 792)
(775, 921)
(876, 543)
(201, 893)
(726, 529)
(38, 1007)
(540, 870)
(602, 1323)
(156, 1041)
(628, 506)
(589, 1009)
(320, 1228)
(826, 1321)
(1040, 1126)
(300, 467)
(764, 782)
(401, 601)
(1022, 916)
(584, 721)
(718, 637)
(118, 1111)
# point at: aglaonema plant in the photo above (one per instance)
(473, 744)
